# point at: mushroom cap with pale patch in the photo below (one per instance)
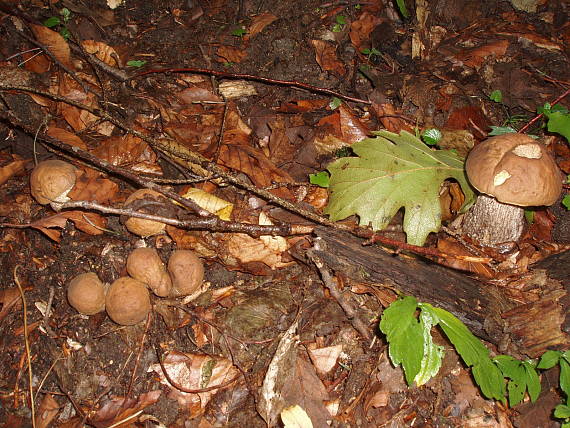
(515, 169)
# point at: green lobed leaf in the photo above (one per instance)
(515, 371)
(391, 172)
(473, 352)
(496, 96)
(433, 354)
(405, 336)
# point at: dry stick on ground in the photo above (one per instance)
(27, 345)
(538, 117)
(291, 83)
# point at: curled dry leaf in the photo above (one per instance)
(130, 152)
(259, 23)
(360, 30)
(194, 371)
(230, 54)
(102, 51)
(54, 42)
(78, 119)
(325, 54)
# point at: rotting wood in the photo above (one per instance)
(484, 308)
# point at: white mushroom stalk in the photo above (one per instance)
(515, 171)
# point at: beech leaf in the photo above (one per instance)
(391, 172)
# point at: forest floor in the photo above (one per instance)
(243, 100)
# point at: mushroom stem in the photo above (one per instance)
(490, 222)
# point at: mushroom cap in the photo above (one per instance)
(145, 265)
(141, 226)
(51, 181)
(86, 293)
(515, 169)
(187, 272)
(128, 301)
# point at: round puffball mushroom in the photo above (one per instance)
(86, 294)
(145, 265)
(51, 181)
(513, 171)
(141, 226)
(187, 272)
(128, 301)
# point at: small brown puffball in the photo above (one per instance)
(86, 293)
(51, 181)
(187, 272)
(128, 301)
(141, 226)
(145, 265)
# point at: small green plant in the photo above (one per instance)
(239, 32)
(371, 53)
(136, 63)
(431, 136)
(402, 8)
(407, 325)
(320, 179)
(340, 22)
(496, 96)
(558, 119)
(335, 103)
(56, 21)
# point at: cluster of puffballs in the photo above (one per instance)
(127, 299)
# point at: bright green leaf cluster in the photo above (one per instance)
(407, 325)
(391, 172)
(558, 119)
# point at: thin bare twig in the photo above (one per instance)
(292, 83)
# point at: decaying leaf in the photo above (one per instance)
(55, 42)
(223, 209)
(394, 171)
(325, 54)
(102, 51)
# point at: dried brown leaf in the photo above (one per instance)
(130, 152)
(102, 51)
(54, 42)
(13, 168)
(66, 137)
(325, 54)
(231, 54)
(259, 23)
(360, 30)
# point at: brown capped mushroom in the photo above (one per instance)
(128, 301)
(187, 272)
(141, 226)
(51, 181)
(145, 265)
(513, 171)
(86, 293)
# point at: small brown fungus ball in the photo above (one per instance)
(128, 301)
(145, 265)
(141, 226)
(187, 272)
(86, 293)
(512, 171)
(51, 181)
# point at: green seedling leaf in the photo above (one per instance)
(320, 179)
(500, 130)
(335, 103)
(565, 376)
(239, 32)
(405, 336)
(496, 96)
(560, 123)
(136, 63)
(65, 33)
(66, 14)
(529, 216)
(472, 351)
(522, 377)
(562, 411)
(433, 354)
(394, 171)
(549, 359)
(341, 19)
(402, 8)
(52, 21)
(431, 136)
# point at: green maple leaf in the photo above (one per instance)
(391, 172)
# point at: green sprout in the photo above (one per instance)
(239, 32)
(339, 25)
(371, 53)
